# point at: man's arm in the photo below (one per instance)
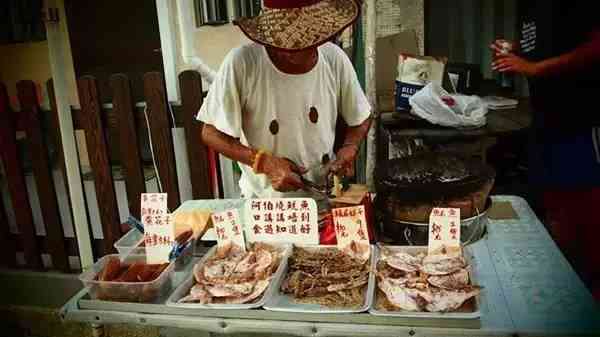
(283, 174)
(578, 59)
(346, 155)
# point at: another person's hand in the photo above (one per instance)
(343, 165)
(283, 173)
(511, 63)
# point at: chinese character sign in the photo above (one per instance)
(159, 238)
(289, 220)
(153, 204)
(444, 229)
(228, 228)
(351, 228)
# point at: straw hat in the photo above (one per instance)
(299, 24)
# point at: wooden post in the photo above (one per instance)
(191, 99)
(162, 141)
(124, 109)
(16, 184)
(43, 175)
(98, 155)
(7, 245)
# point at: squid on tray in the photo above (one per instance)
(433, 283)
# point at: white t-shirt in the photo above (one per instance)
(290, 116)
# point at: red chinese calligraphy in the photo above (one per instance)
(436, 230)
(148, 220)
(229, 215)
(144, 197)
(293, 229)
(153, 198)
(268, 228)
(280, 217)
(235, 229)
(305, 217)
(269, 217)
(304, 205)
(268, 205)
(452, 212)
(305, 229)
(257, 229)
(221, 233)
(281, 229)
(293, 217)
(453, 232)
(280, 206)
(292, 205)
(255, 205)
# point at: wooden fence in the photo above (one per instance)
(122, 126)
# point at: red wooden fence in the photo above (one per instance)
(124, 121)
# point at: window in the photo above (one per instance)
(211, 12)
(219, 12)
(246, 8)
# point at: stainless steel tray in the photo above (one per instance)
(184, 289)
(283, 302)
(413, 250)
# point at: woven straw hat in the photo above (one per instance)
(299, 24)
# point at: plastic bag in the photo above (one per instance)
(437, 106)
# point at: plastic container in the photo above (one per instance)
(130, 243)
(140, 292)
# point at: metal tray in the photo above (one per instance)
(413, 250)
(184, 289)
(283, 302)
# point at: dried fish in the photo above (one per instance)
(443, 264)
(457, 280)
(443, 300)
(232, 276)
(326, 276)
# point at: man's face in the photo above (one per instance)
(299, 58)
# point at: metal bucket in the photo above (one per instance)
(417, 234)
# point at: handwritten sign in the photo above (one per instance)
(351, 230)
(228, 228)
(159, 233)
(444, 229)
(289, 220)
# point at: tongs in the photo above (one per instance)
(324, 190)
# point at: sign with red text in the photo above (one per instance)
(444, 229)
(159, 232)
(229, 229)
(159, 238)
(351, 230)
(286, 220)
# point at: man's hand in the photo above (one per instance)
(503, 47)
(283, 173)
(511, 63)
(343, 165)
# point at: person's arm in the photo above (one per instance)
(346, 155)
(282, 173)
(578, 59)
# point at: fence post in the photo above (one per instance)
(7, 246)
(124, 109)
(191, 100)
(159, 119)
(16, 186)
(98, 155)
(43, 175)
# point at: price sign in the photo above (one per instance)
(228, 228)
(351, 231)
(444, 229)
(286, 220)
(159, 233)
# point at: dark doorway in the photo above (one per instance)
(114, 36)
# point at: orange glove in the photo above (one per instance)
(283, 173)
(343, 165)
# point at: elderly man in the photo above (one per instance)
(274, 104)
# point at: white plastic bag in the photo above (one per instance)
(436, 105)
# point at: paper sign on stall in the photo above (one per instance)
(229, 229)
(159, 233)
(289, 220)
(351, 231)
(444, 230)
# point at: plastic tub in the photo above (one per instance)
(141, 292)
(130, 243)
